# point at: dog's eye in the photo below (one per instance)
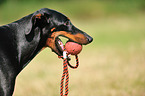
(67, 23)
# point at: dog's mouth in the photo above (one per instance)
(55, 43)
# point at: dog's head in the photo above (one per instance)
(55, 24)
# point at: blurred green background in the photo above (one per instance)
(112, 65)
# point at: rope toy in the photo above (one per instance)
(73, 49)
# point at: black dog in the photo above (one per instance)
(21, 40)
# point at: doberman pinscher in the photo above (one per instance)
(21, 40)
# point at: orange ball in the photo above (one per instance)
(73, 48)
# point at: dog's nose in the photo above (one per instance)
(90, 39)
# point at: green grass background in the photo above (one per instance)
(112, 65)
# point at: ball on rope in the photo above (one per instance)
(73, 48)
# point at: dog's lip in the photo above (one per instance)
(59, 46)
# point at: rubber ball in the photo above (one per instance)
(73, 48)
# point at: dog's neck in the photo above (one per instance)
(28, 46)
(28, 50)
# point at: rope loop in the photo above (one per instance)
(65, 75)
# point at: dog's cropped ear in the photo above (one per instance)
(39, 20)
